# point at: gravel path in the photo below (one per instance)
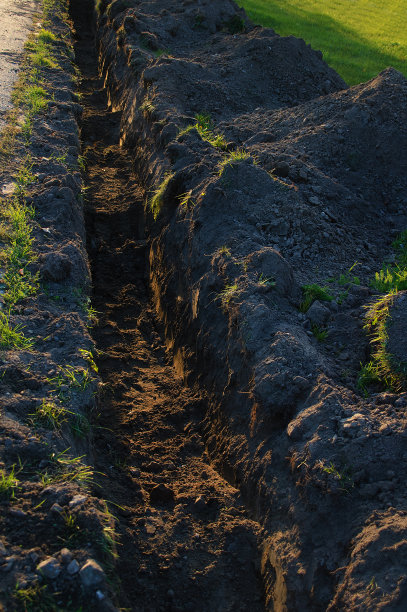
(15, 23)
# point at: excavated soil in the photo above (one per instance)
(185, 540)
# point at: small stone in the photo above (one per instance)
(318, 314)
(314, 200)
(66, 555)
(73, 567)
(170, 594)
(100, 595)
(56, 509)
(199, 504)
(50, 568)
(77, 500)
(3, 550)
(91, 573)
(16, 513)
(34, 557)
(9, 563)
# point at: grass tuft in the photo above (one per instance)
(314, 292)
(157, 200)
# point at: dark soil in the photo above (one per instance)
(185, 541)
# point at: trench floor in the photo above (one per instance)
(184, 538)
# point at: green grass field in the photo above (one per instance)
(358, 38)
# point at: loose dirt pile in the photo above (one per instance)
(263, 172)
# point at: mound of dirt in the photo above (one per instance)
(285, 179)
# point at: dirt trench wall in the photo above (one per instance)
(318, 464)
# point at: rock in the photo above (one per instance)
(77, 500)
(50, 568)
(56, 509)
(161, 493)
(199, 504)
(66, 555)
(73, 567)
(55, 266)
(91, 574)
(318, 314)
(314, 200)
(282, 169)
(3, 550)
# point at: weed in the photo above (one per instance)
(65, 468)
(8, 483)
(71, 377)
(185, 199)
(80, 426)
(235, 25)
(147, 107)
(266, 281)
(233, 158)
(394, 277)
(108, 541)
(320, 334)
(227, 294)
(49, 415)
(314, 292)
(392, 374)
(367, 377)
(204, 126)
(157, 200)
(46, 36)
(33, 598)
(224, 250)
(88, 357)
(343, 477)
(12, 337)
(82, 162)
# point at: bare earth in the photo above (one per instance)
(15, 22)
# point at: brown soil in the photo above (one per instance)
(185, 540)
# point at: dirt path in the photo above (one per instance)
(185, 540)
(15, 22)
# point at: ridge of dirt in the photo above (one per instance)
(317, 185)
(53, 531)
(185, 541)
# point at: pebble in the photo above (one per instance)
(56, 509)
(66, 555)
(77, 500)
(73, 567)
(100, 595)
(91, 573)
(3, 550)
(50, 568)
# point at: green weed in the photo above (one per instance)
(229, 292)
(233, 158)
(343, 476)
(320, 334)
(266, 281)
(157, 200)
(12, 337)
(49, 415)
(392, 374)
(314, 292)
(205, 128)
(65, 468)
(367, 377)
(8, 483)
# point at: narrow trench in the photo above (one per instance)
(185, 541)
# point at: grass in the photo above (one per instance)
(382, 367)
(343, 477)
(358, 38)
(232, 159)
(156, 202)
(12, 337)
(205, 128)
(8, 483)
(224, 296)
(49, 415)
(66, 469)
(394, 277)
(320, 334)
(312, 293)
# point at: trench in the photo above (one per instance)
(184, 538)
